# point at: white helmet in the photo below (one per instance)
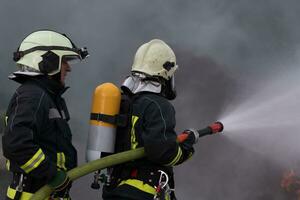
(155, 58)
(42, 52)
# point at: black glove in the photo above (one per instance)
(191, 139)
(186, 141)
(60, 181)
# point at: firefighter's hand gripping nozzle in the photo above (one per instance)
(214, 128)
(102, 132)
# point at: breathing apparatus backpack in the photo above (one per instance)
(110, 116)
(110, 126)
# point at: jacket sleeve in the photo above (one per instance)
(159, 136)
(26, 115)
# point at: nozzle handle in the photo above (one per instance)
(205, 131)
(202, 132)
(215, 127)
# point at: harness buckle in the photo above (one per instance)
(19, 187)
(163, 188)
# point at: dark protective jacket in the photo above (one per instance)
(37, 137)
(153, 123)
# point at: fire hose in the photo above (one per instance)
(116, 159)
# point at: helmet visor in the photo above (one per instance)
(71, 59)
(173, 83)
(170, 91)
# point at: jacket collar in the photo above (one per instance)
(136, 85)
(50, 85)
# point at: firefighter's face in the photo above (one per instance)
(65, 68)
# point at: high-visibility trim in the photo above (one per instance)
(177, 157)
(167, 196)
(190, 155)
(6, 120)
(63, 114)
(7, 165)
(11, 193)
(34, 162)
(54, 113)
(61, 160)
(133, 140)
(139, 185)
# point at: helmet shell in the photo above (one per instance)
(155, 58)
(43, 38)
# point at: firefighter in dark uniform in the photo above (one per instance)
(150, 86)
(37, 139)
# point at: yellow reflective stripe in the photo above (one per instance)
(34, 162)
(7, 165)
(139, 185)
(11, 193)
(61, 160)
(58, 160)
(6, 120)
(190, 155)
(177, 157)
(133, 140)
(167, 196)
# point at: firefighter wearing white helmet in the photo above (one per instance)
(155, 60)
(42, 52)
(149, 87)
(37, 138)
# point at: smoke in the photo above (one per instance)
(237, 62)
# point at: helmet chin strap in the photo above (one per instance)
(168, 89)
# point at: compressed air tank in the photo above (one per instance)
(102, 135)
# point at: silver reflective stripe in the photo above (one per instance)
(32, 165)
(53, 113)
(63, 114)
(34, 162)
(6, 120)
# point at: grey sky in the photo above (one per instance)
(234, 56)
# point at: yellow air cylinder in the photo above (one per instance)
(102, 135)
